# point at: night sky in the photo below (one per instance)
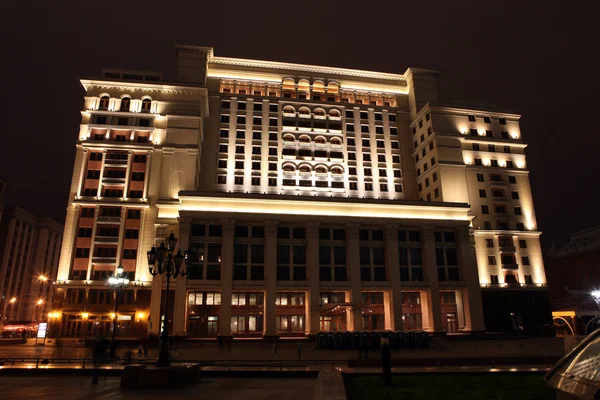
(533, 59)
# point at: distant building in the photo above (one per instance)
(573, 270)
(29, 255)
(312, 198)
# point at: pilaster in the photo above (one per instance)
(393, 270)
(270, 278)
(430, 265)
(312, 265)
(468, 268)
(226, 277)
(180, 310)
(355, 322)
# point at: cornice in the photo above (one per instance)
(145, 88)
(315, 69)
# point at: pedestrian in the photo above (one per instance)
(98, 360)
(274, 347)
(299, 348)
(366, 348)
(140, 350)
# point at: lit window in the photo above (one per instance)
(125, 103)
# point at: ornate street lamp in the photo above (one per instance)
(161, 261)
(117, 283)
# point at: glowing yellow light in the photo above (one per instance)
(43, 278)
(112, 315)
(85, 315)
(141, 315)
(13, 300)
(40, 302)
(514, 135)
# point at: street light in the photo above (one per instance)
(13, 300)
(596, 296)
(161, 261)
(117, 283)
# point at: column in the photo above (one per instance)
(180, 306)
(355, 322)
(312, 266)
(226, 277)
(430, 265)
(392, 264)
(468, 268)
(270, 330)
(147, 176)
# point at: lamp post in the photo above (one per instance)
(117, 283)
(161, 261)
(596, 296)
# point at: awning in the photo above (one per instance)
(20, 327)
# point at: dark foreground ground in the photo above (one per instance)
(80, 388)
(450, 386)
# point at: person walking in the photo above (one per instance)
(299, 348)
(98, 359)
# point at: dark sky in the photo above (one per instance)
(535, 59)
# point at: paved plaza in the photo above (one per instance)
(80, 387)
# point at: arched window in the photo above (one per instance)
(146, 105)
(304, 139)
(303, 85)
(333, 113)
(333, 87)
(289, 84)
(125, 103)
(321, 170)
(319, 112)
(336, 141)
(289, 168)
(103, 105)
(337, 171)
(320, 140)
(289, 110)
(318, 87)
(289, 138)
(304, 111)
(305, 168)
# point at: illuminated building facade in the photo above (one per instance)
(29, 254)
(312, 199)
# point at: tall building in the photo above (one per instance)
(29, 254)
(311, 198)
(574, 282)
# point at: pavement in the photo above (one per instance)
(80, 388)
(287, 350)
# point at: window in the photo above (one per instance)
(224, 118)
(518, 211)
(482, 193)
(478, 162)
(514, 195)
(241, 119)
(480, 178)
(502, 121)
(525, 260)
(494, 163)
(103, 104)
(504, 134)
(512, 179)
(475, 146)
(485, 210)
(487, 120)
(471, 118)
(489, 243)
(487, 225)
(494, 279)
(258, 106)
(491, 260)
(522, 243)
(146, 105)
(125, 103)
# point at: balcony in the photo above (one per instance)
(109, 219)
(104, 260)
(110, 161)
(511, 266)
(106, 239)
(508, 249)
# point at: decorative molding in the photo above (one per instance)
(271, 229)
(144, 88)
(228, 227)
(315, 69)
